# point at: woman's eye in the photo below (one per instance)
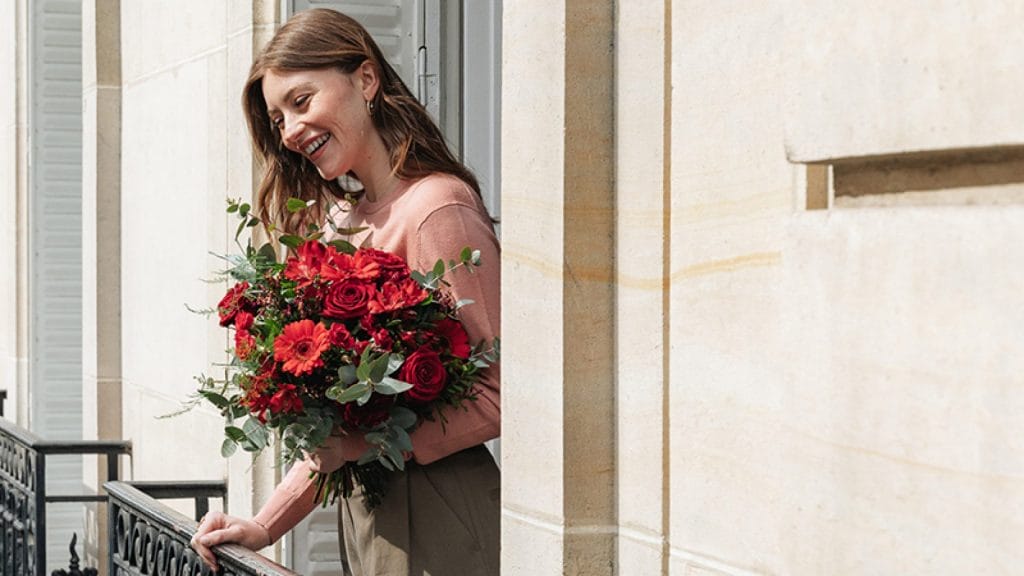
(277, 122)
(301, 101)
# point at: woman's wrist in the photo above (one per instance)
(266, 532)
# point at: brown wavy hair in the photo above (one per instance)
(318, 39)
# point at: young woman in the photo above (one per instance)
(323, 104)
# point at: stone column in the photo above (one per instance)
(558, 232)
(101, 246)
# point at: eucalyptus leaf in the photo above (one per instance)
(463, 302)
(347, 374)
(402, 439)
(439, 268)
(374, 438)
(378, 367)
(475, 259)
(403, 417)
(232, 208)
(369, 456)
(466, 254)
(365, 397)
(395, 456)
(235, 433)
(394, 362)
(391, 386)
(228, 447)
(344, 396)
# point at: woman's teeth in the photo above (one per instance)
(316, 144)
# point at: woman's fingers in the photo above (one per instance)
(210, 523)
(328, 457)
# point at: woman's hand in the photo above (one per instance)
(336, 451)
(217, 528)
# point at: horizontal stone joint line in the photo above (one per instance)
(709, 562)
(559, 528)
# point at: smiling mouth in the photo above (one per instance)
(316, 144)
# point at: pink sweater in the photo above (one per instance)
(423, 221)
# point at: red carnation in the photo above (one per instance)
(286, 399)
(305, 265)
(396, 295)
(245, 344)
(340, 336)
(391, 265)
(382, 338)
(454, 333)
(232, 303)
(243, 320)
(348, 299)
(424, 370)
(300, 345)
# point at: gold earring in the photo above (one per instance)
(370, 106)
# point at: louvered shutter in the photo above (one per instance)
(55, 252)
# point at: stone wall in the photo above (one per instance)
(798, 391)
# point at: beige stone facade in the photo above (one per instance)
(761, 273)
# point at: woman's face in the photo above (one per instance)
(321, 114)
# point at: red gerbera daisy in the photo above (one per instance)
(305, 265)
(300, 345)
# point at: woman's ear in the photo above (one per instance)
(368, 78)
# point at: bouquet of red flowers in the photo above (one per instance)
(340, 340)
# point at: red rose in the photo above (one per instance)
(370, 414)
(286, 399)
(424, 370)
(232, 303)
(396, 295)
(305, 265)
(454, 333)
(391, 265)
(348, 299)
(299, 346)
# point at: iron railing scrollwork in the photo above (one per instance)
(23, 496)
(149, 538)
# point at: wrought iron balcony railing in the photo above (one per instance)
(149, 538)
(23, 497)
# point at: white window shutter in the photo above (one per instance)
(55, 252)
(394, 24)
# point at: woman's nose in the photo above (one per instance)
(292, 133)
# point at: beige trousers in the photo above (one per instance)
(440, 519)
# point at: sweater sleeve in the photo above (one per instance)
(442, 234)
(291, 501)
